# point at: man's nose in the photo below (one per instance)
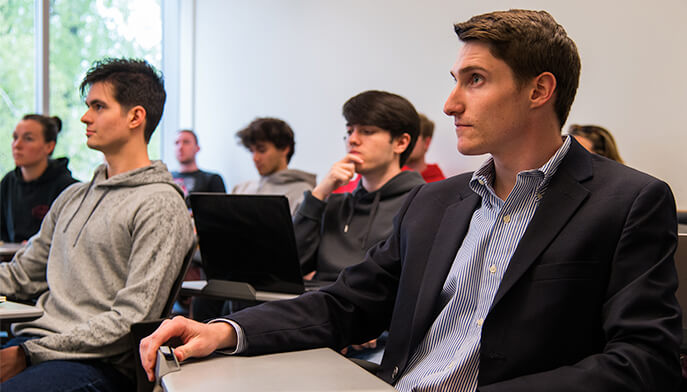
(455, 103)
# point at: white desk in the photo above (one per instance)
(311, 370)
(18, 312)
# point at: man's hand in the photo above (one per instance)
(340, 174)
(357, 347)
(12, 362)
(199, 340)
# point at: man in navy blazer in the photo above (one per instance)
(548, 269)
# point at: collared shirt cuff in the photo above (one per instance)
(240, 337)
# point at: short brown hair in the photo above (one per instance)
(268, 129)
(134, 82)
(530, 42)
(426, 126)
(385, 110)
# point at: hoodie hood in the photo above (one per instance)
(288, 176)
(366, 204)
(401, 184)
(155, 173)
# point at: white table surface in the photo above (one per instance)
(311, 370)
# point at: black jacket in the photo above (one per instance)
(587, 302)
(24, 204)
(334, 234)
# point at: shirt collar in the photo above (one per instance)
(484, 176)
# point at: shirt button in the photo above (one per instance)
(538, 196)
(394, 373)
(480, 322)
(492, 269)
(451, 365)
(506, 219)
(481, 181)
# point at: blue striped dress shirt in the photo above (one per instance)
(447, 359)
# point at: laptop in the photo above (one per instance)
(248, 239)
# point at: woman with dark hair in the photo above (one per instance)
(27, 192)
(597, 140)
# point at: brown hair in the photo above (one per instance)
(426, 126)
(190, 132)
(603, 142)
(267, 129)
(530, 42)
(134, 82)
(385, 110)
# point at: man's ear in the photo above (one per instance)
(136, 116)
(401, 143)
(542, 89)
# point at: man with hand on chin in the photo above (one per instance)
(334, 231)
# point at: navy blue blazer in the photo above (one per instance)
(586, 304)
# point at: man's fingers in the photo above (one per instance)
(352, 159)
(149, 345)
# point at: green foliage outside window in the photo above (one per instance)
(81, 32)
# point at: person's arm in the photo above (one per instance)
(161, 236)
(12, 362)
(199, 340)
(307, 221)
(339, 174)
(295, 194)
(24, 276)
(307, 227)
(640, 317)
(357, 308)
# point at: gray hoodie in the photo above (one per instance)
(107, 254)
(289, 182)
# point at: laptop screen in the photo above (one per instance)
(248, 238)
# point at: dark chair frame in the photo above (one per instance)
(144, 328)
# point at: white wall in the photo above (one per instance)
(301, 60)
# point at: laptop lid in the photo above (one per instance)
(248, 238)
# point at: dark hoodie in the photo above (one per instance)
(335, 234)
(24, 204)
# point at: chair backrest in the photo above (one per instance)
(144, 328)
(176, 287)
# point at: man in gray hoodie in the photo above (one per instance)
(271, 142)
(108, 251)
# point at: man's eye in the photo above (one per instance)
(475, 78)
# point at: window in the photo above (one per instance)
(17, 64)
(81, 32)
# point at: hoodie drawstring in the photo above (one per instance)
(88, 190)
(350, 200)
